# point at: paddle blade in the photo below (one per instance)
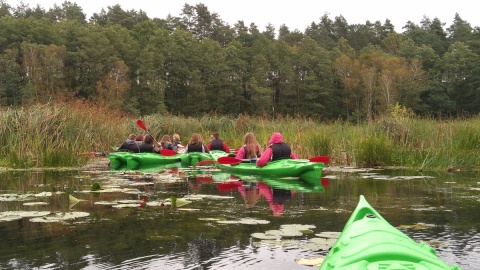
(322, 159)
(224, 187)
(229, 160)
(204, 179)
(167, 152)
(204, 162)
(141, 125)
(325, 182)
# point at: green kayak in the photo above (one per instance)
(368, 241)
(132, 161)
(310, 172)
(191, 159)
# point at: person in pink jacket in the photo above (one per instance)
(277, 149)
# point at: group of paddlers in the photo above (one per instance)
(251, 149)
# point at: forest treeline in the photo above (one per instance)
(196, 63)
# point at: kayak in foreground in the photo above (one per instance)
(368, 241)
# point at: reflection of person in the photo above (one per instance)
(276, 150)
(250, 149)
(217, 144)
(250, 194)
(195, 144)
(276, 198)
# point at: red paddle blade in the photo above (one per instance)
(322, 159)
(224, 187)
(229, 160)
(167, 152)
(141, 125)
(205, 179)
(325, 182)
(204, 162)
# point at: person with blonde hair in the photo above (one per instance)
(251, 149)
(195, 144)
(177, 144)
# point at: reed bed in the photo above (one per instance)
(52, 135)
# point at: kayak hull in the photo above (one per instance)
(310, 172)
(132, 161)
(190, 159)
(368, 241)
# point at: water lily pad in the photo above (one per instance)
(297, 227)
(333, 235)
(251, 221)
(25, 213)
(60, 216)
(188, 209)
(310, 261)
(44, 194)
(209, 219)
(127, 205)
(228, 222)
(16, 197)
(159, 204)
(35, 203)
(129, 201)
(194, 197)
(105, 203)
(265, 236)
(418, 226)
(10, 218)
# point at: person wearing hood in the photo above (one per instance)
(277, 149)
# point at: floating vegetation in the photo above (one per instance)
(16, 197)
(209, 219)
(35, 203)
(159, 204)
(310, 261)
(105, 203)
(17, 215)
(44, 194)
(286, 230)
(317, 244)
(130, 201)
(197, 197)
(188, 209)
(418, 226)
(246, 221)
(96, 186)
(333, 235)
(60, 217)
(127, 205)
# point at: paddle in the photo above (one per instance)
(167, 152)
(142, 125)
(224, 187)
(231, 160)
(321, 159)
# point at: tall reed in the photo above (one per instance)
(54, 135)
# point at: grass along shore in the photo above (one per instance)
(53, 135)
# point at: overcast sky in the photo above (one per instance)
(297, 14)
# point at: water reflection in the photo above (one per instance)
(165, 238)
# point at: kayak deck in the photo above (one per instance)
(368, 241)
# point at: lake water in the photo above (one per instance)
(125, 225)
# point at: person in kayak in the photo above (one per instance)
(217, 144)
(128, 144)
(148, 145)
(195, 144)
(251, 149)
(177, 144)
(165, 143)
(277, 149)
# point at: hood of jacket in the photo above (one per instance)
(276, 138)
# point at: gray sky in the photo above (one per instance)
(294, 14)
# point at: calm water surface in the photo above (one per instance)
(191, 237)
